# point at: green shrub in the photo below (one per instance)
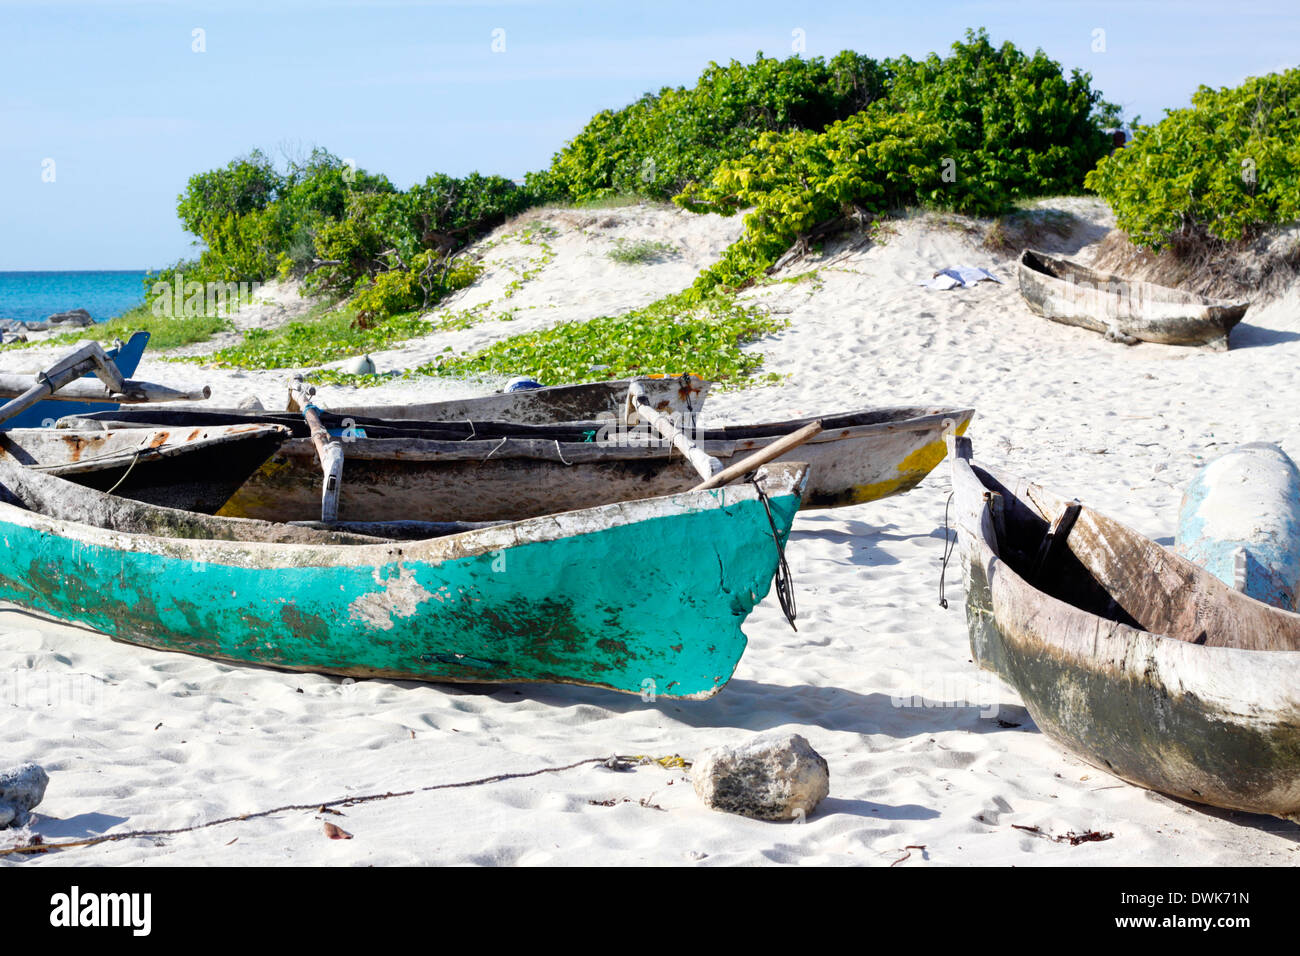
(973, 132)
(658, 145)
(1019, 127)
(1224, 168)
(873, 162)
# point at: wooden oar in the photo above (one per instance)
(328, 449)
(760, 457)
(638, 404)
(91, 357)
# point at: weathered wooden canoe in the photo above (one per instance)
(1127, 654)
(681, 395)
(1125, 310)
(196, 469)
(1240, 520)
(126, 358)
(642, 596)
(490, 471)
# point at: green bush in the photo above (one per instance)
(664, 141)
(1019, 128)
(1225, 168)
(874, 162)
(427, 280)
(973, 132)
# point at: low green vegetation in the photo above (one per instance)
(668, 336)
(1223, 169)
(164, 332)
(640, 251)
(324, 335)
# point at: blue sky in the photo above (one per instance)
(114, 94)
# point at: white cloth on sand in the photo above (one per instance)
(958, 277)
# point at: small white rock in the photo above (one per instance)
(21, 788)
(361, 365)
(772, 777)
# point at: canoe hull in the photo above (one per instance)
(194, 469)
(1074, 294)
(1240, 520)
(681, 395)
(494, 480)
(1218, 725)
(643, 598)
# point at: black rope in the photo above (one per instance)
(784, 582)
(947, 552)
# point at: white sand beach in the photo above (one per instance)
(932, 762)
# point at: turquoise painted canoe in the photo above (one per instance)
(644, 596)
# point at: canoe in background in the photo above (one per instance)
(647, 595)
(196, 469)
(681, 395)
(1125, 653)
(1240, 520)
(127, 359)
(1123, 309)
(491, 471)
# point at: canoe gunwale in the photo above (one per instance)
(779, 479)
(146, 450)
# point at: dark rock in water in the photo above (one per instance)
(21, 788)
(773, 777)
(74, 317)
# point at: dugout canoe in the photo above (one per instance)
(491, 471)
(673, 395)
(1124, 310)
(1126, 654)
(194, 468)
(1240, 520)
(645, 596)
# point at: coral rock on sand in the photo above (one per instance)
(74, 317)
(773, 777)
(21, 788)
(361, 365)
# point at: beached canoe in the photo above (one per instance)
(1240, 520)
(680, 396)
(644, 597)
(490, 471)
(1125, 653)
(1125, 310)
(196, 468)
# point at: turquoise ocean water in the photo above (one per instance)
(36, 295)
